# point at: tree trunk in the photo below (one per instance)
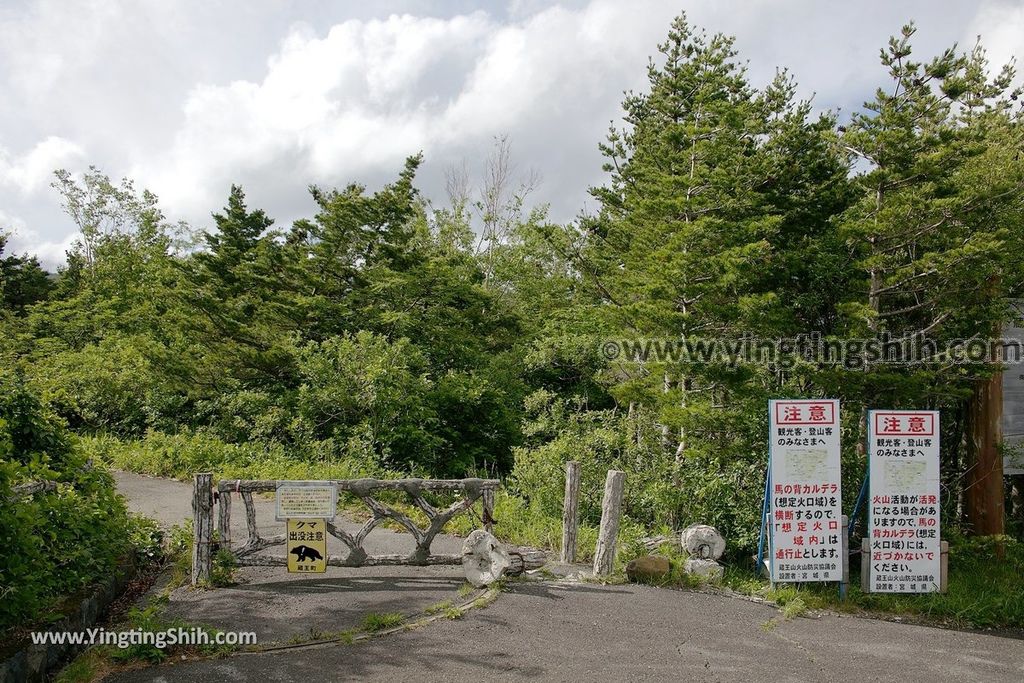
(611, 511)
(983, 483)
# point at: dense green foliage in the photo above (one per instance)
(54, 543)
(381, 335)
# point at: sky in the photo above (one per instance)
(187, 97)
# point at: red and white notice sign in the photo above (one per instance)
(904, 491)
(806, 500)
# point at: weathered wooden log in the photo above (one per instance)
(702, 542)
(362, 485)
(202, 528)
(367, 561)
(522, 560)
(570, 514)
(258, 543)
(484, 561)
(250, 515)
(611, 512)
(31, 488)
(652, 543)
(224, 519)
(487, 509)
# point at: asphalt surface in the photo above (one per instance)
(279, 607)
(585, 632)
(582, 632)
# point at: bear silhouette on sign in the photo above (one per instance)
(304, 553)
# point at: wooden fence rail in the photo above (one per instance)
(31, 488)
(468, 491)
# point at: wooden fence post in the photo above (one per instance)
(611, 511)
(487, 509)
(865, 565)
(202, 528)
(570, 515)
(224, 519)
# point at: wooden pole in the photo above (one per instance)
(570, 515)
(224, 519)
(487, 509)
(983, 492)
(202, 528)
(611, 511)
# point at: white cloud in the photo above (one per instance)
(368, 93)
(22, 239)
(32, 171)
(11, 225)
(328, 93)
(1001, 27)
(51, 253)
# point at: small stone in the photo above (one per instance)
(648, 568)
(706, 569)
(702, 541)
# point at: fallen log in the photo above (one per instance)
(485, 560)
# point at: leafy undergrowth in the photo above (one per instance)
(180, 456)
(100, 660)
(983, 592)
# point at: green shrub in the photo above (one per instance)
(182, 455)
(54, 543)
(146, 538)
(110, 386)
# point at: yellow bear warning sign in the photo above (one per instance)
(307, 546)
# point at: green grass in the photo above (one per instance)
(91, 665)
(374, 622)
(316, 635)
(181, 455)
(439, 607)
(449, 609)
(983, 591)
(224, 566)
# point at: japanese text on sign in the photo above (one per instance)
(805, 496)
(307, 546)
(904, 492)
(306, 500)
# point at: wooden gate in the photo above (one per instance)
(205, 496)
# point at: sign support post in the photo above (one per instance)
(903, 549)
(761, 567)
(804, 492)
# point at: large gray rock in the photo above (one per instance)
(648, 568)
(702, 542)
(705, 569)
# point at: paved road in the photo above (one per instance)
(583, 632)
(279, 606)
(543, 632)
